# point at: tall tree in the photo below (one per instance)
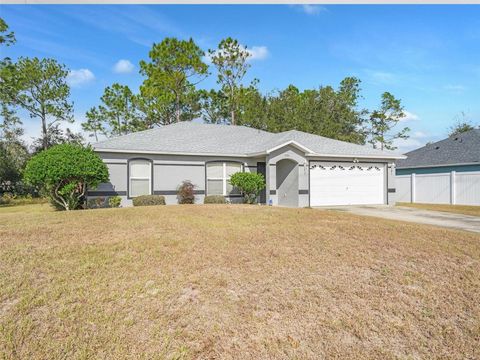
(13, 151)
(324, 111)
(57, 136)
(252, 108)
(118, 114)
(231, 61)
(94, 125)
(383, 120)
(214, 106)
(156, 110)
(7, 38)
(39, 87)
(175, 68)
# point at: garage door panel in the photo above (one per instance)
(346, 183)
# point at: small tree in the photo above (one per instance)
(65, 172)
(186, 193)
(250, 184)
(382, 122)
(460, 127)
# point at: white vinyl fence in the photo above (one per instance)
(460, 188)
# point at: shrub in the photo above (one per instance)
(99, 202)
(114, 201)
(148, 200)
(6, 198)
(214, 199)
(65, 172)
(186, 193)
(250, 184)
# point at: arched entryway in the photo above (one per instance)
(287, 182)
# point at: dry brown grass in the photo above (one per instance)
(231, 282)
(457, 209)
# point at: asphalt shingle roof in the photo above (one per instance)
(463, 148)
(195, 138)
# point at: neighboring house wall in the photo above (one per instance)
(460, 188)
(438, 169)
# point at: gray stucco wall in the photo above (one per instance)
(170, 170)
(391, 190)
(168, 173)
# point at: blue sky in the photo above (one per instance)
(428, 56)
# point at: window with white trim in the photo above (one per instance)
(218, 174)
(140, 181)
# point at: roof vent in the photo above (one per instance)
(437, 147)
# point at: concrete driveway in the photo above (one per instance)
(444, 219)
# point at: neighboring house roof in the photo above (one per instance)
(459, 149)
(210, 139)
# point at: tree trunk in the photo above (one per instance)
(177, 110)
(44, 131)
(233, 117)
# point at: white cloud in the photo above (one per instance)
(80, 77)
(123, 66)
(258, 53)
(455, 88)
(409, 116)
(406, 145)
(419, 135)
(254, 53)
(312, 9)
(381, 77)
(416, 140)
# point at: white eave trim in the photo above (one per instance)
(308, 153)
(166, 153)
(435, 166)
(291, 142)
(394, 157)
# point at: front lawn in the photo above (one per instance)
(234, 282)
(457, 209)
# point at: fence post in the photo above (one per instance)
(412, 187)
(453, 189)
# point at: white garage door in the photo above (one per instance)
(342, 183)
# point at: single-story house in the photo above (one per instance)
(444, 172)
(300, 169)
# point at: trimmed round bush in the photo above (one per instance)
(149, 200)
(114, 201)
(214, 199)
(250, 185)
(65, 172)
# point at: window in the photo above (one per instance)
(218, 174)
(140, 177)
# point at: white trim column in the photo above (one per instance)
(412, 188)
(453, 190)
